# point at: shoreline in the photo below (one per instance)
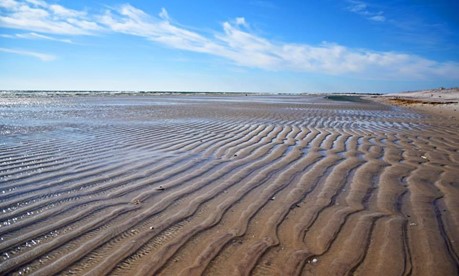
(437, 102)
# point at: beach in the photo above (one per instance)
(226, 185)
(443, 102)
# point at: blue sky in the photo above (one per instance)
(209, 45)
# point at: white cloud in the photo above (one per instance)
(64, 12)
(357, 6)
(163, 14)
(247, 49)
(40, 56)
(132, 21)
(35, 36)
(38, 3)
(241, 21)
(40, 36)
(378, 18)
(361, 8)
(38, 16)
(8, 4)
(235, 42)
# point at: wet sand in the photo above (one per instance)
(221, 185)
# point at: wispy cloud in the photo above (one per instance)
(40, 56)
(163, 14)
(35, 36)
(405, 25)
(236, 42)
(361, 8)
(39, 16)
(241, 22)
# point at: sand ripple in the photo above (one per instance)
(164, 185)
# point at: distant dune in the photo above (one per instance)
(442, 101)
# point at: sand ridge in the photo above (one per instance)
(227, 185)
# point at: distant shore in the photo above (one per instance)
(63, 93)
(440, 102)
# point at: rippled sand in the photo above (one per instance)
(131, 185)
